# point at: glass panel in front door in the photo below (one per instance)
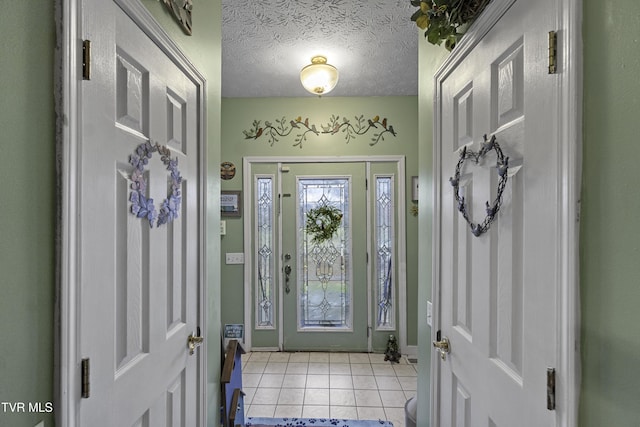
(265, 251)
(384, 250)
(324, 285)
(385, 262)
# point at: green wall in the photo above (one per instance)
(610, 237)
(238, 115)
(430, 58)
(28, 203)
(29, 197)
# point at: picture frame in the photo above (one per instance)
(234, 331)
(231, 204)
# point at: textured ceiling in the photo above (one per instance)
(265, 43)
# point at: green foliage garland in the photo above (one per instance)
(323, 222)
(444, 20)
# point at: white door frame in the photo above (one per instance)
(247, 162)
(569, 134)
(69, 109)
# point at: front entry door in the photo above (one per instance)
(325, 296)
(498, 291)
(342, 293)
(140, 275)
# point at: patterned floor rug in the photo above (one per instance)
(314, 422)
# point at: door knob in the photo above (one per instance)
(193, 342)
(443, 346)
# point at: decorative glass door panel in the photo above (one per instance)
(383, 205)
(326, 306)
(323, 272)
(384, 250)
(264, 255)
(264, 239)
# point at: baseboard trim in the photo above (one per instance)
(411, 351)
(271, 349)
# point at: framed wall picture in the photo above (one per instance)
(231, 203)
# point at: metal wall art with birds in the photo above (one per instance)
(350, 128)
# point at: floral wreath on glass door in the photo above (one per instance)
(323, 222)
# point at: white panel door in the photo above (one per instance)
(140, 285)
(498, 290)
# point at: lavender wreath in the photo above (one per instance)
(143, 207)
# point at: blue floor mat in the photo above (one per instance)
(315, 422)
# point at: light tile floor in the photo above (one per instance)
(337, 385)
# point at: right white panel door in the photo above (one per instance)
(498, 291)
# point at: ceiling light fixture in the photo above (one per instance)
(319, 77)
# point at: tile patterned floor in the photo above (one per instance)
(337, 385)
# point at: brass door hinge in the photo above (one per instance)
(553, 51)
(551, 389)
(86, 376)
(86, 59)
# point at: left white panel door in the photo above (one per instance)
(140, 285)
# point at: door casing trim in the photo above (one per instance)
(401, 233)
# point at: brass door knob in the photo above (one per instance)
(443, 346)
(193, 342)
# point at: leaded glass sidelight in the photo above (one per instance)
(323, 268)
(265, 253)
(384, 248)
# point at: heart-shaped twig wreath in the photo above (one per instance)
(502, 165)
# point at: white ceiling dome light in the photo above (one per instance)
(319, 77)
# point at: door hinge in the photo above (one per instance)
(553, 50)
(551, 389)
(366, 184)
(85, 374)
(86, 59)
